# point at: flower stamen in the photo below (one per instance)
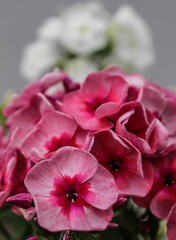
(72, 196)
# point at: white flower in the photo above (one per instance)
(79, 68)
(133, 43)
(84, 28)
(39, 57)
(50, 29)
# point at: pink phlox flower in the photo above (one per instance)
(23, 121)
(136, 82)
(124, 162)
(39, 86)
(162, 106)
(162, 196)
(13, 169)
(140, 127)
(54, 131)
(99, 97)
(71, 191)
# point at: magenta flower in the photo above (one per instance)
(171, 224)
(71, 191)
(54, 131)
(140, 127)
(39, 86)
(13, 169)
(23, 121)
(7, 168)
(163, 106)
(124, 162)
(162, 196)
(99, 97)
(136, 82)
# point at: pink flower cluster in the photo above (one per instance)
(72, 152)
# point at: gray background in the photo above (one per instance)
(20, 18)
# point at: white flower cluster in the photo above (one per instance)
(85, 38)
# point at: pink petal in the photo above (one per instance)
(77, 162)
(80, 217)
(162, 202)
(153, 100)
(169, 116)
(49, 217)
(119, 89)
(142, 135)
(28, 116)
(109, 146)
(52, 132)
(102, 192)
(106, 109)
(67, 161)
(38, 180)
(96, 86)
(135, 185)
(83, 113)
(17, 137)
(51, 79)
(40, 85)
(171, 224)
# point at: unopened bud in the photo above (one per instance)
(112, 225)
(66, 236)
(22, 200)
(120, 202)
(33, 238)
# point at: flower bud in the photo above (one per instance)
(22, 200)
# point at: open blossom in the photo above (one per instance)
(139, 126)
(136, 82)
(71, 191)
(37, 99)
(133, 44)
(11, 178)
(39, 57)
(81, 32)
(50, 30)
(87, 30)
(54, 131)
(97, 99)
(74, 152)
(162, 196)
(124, 162)
(23, 121)
(163, 105)
(41, 85)
(84, 32)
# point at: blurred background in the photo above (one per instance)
(19, 20)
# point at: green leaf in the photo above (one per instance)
(2, 105)
(61, 236)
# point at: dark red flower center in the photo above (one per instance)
(169, 180)
(114, 165)
(56, 143)
(72, 196)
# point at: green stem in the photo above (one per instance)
(5, 232)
